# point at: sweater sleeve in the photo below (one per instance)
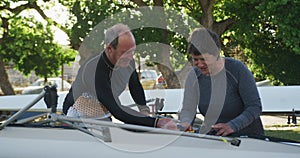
(250, 97)
(190, 99)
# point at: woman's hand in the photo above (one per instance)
(222, 129)
(184, 126)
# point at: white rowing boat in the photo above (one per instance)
(57, 135)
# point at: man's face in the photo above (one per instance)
(123, 54)
(205, 62)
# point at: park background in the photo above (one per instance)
(41, 38)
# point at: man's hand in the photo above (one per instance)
(167, 123)
(222, 129)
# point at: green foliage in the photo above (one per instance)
(88, 14)
(264, 30)
(188, 7)
(275, 61)
(147, 24)
(271, 33)
(30, 46)
(28, 43)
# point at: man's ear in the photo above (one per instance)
(108, 49)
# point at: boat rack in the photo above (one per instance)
(293, 115)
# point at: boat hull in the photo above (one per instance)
(50, 142)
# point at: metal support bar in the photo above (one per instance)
(105, 131)
(55, 117)
(22, 111)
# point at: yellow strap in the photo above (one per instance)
(224, 140)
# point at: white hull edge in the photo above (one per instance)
(35, 142)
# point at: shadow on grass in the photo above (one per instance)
(284, 134)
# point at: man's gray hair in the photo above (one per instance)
(112, 34)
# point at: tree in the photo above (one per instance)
(28, 43)
(191, 15)
(263, 34)
(269, 33)
(150, 30)
(237, 23)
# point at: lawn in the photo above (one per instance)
(281, 132)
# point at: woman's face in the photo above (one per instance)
(205, 62)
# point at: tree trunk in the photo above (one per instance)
(166, 68)
(182, 74)
(207, 20)
(5, 85)
(164, 65)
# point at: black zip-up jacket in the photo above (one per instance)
(109, 82)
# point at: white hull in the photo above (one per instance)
(58, 142)
(109, 140)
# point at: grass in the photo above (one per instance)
(281, 132)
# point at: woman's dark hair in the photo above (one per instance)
(202, 41)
